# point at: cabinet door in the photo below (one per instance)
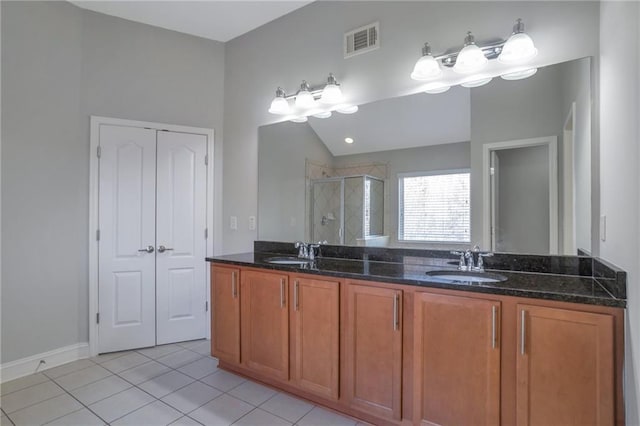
(225, 313)
(265, 323)
(456, 360)
(315, 333)
(373, 368)
(565, 367)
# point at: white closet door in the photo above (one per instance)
(181, 222)
(126, 283)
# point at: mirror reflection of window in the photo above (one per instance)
(435, 207)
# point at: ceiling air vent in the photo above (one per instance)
(362, 40)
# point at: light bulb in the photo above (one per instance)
(348, 140)
(331, 94)
(471, 58)
(347, 109)
(301, 119)
(304, 98)
(519, 75)
(427, 67)
(280, 105)
(476, 81)
(519, 48)
(435, 88)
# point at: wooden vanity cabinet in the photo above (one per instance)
(565, 367)
(315, 335)
(456, 353)
(373, 350)
(225, 313)
(265, 323)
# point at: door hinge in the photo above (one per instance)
(206, 233)
(98, 318)
(97, 235)
(206, 306)
(206, 160)
(99, 151)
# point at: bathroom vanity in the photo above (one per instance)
(368, 332)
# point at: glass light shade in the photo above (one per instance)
(426, 68)
(347, 109)
(519, 75)
(323, 114)
(519, 48)
(476, 81)
(304, 100)
(331, 94)
(470, 59)
(435, 88)
(280, 105)
(301, 119)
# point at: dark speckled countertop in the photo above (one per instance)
(412, 270)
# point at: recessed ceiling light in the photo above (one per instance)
(348, 140)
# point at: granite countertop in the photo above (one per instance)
(412, 270)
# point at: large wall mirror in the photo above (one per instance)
(506, 165)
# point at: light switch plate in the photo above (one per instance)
(233, 223)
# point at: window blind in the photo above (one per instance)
(434, 207)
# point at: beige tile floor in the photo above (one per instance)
(177, 384)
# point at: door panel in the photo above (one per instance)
(225, 313)
(374, 350)
(456, 360)
(564, 368)
(126, 282)
(181, 221)
(315, 333)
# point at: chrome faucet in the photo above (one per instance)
(308, 250)
(472, 259)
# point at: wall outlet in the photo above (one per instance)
(233, 223)
(252, 223)
(603, 228)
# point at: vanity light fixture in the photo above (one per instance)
(304, 98)
(348, 140)
(427, 67)
(519, 47)
(471, 58)
(279, 105)
(308, 101)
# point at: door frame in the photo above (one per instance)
(552, 143)
(213, 212)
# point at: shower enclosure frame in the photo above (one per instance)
(341, 179)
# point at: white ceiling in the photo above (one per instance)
(399, 123)
(215, 20)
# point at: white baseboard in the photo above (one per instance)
(25, 366)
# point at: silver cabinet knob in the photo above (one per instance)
(162, 249)
(149, 249)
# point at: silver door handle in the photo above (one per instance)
(295, 295)
(523, 330)
(396, 320)
(149, 249)
(282, 300)
(162, 249)
(493, 326)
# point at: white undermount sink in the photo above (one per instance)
(466, 277)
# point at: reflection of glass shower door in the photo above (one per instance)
(326, 210)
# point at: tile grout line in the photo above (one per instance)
(83, 405)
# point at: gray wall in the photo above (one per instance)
(619, 172)
(283, 150)
(61, 64)
(510, 110)
(270, 56)
(523, 206)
